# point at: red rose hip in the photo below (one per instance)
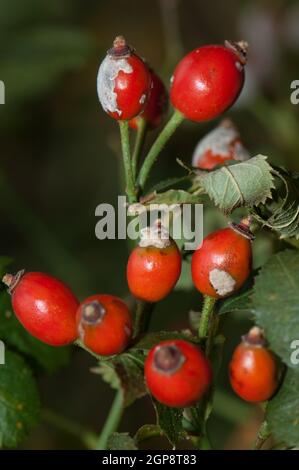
(208, 80)
(156, 105)
(223, 262)
(45, 306)
(154, 267)
(254, 372)
(123, 82)
(104, 324)
(221, 144)
(177, 373)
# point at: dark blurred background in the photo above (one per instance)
(60, 158)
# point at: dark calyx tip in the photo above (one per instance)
(243, 228)
(120, 48)
(240, 48)
(92, 313)
(255, 337)
(168, 359)
(11, 280)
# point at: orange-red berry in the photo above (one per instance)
(254, 372)
(156, 104)
(154, 267)
(104, 324)
(45, 306)
(177, 373)
(208, 80)
(221, 265)
(221, 144)
(124, 82)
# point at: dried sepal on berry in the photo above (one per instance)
(154, 266)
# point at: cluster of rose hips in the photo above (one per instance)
(177, 372)
(205, 83)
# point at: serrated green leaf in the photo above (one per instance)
(124, 372)
(175, 196)
(170, 421)
(283, 411)
(19, 400)
(13, 333)
(121, 441)
(282, 213)
(243, 184)
(276, 302)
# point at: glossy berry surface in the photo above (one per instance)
(104, 324)
(177, 373)
(207, 81)
(153, 270)
(123, 82)
(156, 105)
(222, 264)
(220, 145)
(253, 371)
(45, 306)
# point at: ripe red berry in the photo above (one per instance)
(156, 105)
(222, 263)
(154, 266)
(208, 80)
(177, 373)
(123, 82)
(104, 324)
(45, 306)
(221, 144)
(254, 372)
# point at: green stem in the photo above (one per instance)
(139, 141)
(112, 421)
(142, 317)
(173, 123)
(263, 436)
(64, 424)
(206, 313)
(125, 145)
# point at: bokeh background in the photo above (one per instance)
(60, 158)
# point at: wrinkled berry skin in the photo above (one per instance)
(46, 307)
(156, 105)
(222, 264)
(253, 373)
(123, 82)
(111, 332)
(153, 272)
(187, 383)
(206, 82)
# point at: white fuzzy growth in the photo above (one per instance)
(154, 236)
(219, 142)
(240, 152)
(222, 281)
(108, 71)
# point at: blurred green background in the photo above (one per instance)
(60, 158)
